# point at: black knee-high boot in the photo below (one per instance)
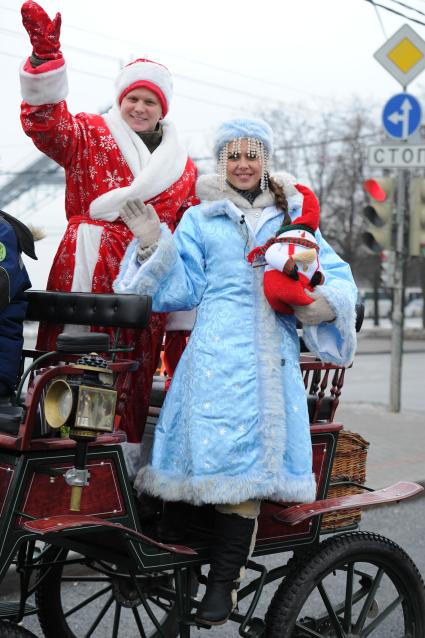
(229, 552)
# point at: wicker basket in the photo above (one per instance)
(349, 465)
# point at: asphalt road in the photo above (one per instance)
(368, 381)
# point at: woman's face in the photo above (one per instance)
(243, 171)
(141, 109)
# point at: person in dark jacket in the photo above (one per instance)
(15, 238)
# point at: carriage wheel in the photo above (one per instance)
(10, 630)
(84, 598)
(351, 586)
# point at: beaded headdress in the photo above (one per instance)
(228, 140)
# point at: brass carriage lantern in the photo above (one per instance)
(87, 405)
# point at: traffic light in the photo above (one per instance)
(387, 268)
(379, 213)
(417, 217)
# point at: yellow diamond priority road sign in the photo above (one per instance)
(403, 55)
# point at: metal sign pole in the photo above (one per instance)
(403, 56)
(398, 298)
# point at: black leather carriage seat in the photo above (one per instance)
(89, 309)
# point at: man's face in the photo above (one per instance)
(141, 109)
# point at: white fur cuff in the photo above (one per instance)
(44, 88)
(334, 342)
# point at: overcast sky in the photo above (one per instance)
(228, 58)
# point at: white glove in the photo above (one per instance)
(317, 312)
(142, 220)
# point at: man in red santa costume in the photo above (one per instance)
(129, 152)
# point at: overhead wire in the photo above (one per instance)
(408, 6)
(400, 3)
(289, 147)
(187, 78)
(403, 15)
(378, 15)
(186, 58)
(20, 36)
(194, 98)
(215, 85)
(182, 76)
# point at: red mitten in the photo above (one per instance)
(43, 32)
(282, 292)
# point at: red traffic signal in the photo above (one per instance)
(378, 213)
(375, 190)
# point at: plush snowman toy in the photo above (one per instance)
(292, 258)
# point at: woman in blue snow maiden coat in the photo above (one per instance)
(234, 427)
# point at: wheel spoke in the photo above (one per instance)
(164, 606)
(138, 621)
(152, 616)
(99, 599)
(87, 601)
(332, 615)
(348, 609)
(99, 616)
(381, 617)
(369, 599)
(307, 631)
(353, 584)
(117, 616)
(148, 609)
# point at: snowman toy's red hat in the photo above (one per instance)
(310, 213)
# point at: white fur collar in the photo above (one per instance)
(153, 173)
(208, 189)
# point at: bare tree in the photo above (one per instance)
(329, 152)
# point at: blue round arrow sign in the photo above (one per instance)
(401, 115)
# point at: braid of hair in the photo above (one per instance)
(280, 200)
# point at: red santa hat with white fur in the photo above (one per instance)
(145, 73)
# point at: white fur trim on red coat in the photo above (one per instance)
(153, 172)
(150, 71)
(48, 87)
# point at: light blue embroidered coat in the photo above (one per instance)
(234, 425)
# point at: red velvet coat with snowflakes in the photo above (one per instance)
(97, 163)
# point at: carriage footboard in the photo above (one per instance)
(397, 492)
(66, 523)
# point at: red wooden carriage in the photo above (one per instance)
(69, 523)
